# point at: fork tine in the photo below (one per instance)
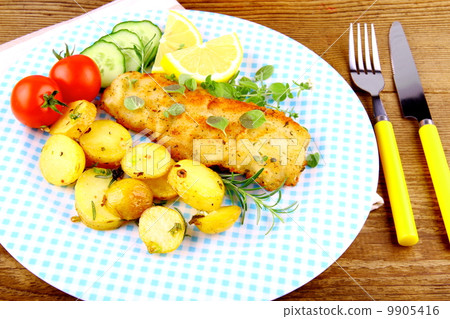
(351, 50)
(360, 56)
(367, 49)
(376, 58)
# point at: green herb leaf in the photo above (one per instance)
(182, 78)
(226, 90)
(312, 160)
(247, 83)
(175, 229)
(234, 77)
(175, 109)
(94, 211)
(279, 91)
(133, 102)
(218, 122)
(175, 88)
(209, 85)
(74, 116)
(260, 159)
(264, 73)
(131, 83)
(256, 91)
(252, 119)
(188, 81)
(191, 84)
(258, 100)
(171, 77)
(219, 89)
(102, 172)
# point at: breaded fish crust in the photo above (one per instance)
(278, 146)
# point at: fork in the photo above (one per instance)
(366, 74)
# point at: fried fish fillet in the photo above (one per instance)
(278, 146)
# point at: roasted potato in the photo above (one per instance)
(129, 197)
(62, 160)
(76, 120)
(105, 143)
(160, 186)
(217, 221)
(198, 185)
(146, 160)
(90, 198)
(162, 229)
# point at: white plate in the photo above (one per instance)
(240, 264)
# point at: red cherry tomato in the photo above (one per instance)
(78, 77)
(36, 101)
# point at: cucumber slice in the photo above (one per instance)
(149, 34)
(109, 59)
(128, 42)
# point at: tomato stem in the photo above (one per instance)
(67, 53)
(51, 102)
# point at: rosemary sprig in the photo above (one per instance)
(241, 190)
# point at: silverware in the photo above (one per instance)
(414, 105)
(367, 76)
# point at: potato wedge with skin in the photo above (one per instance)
(217, 221)
(90, 192)
(162, 229)
(62, 160)
(105, 143)
(76, 120)
(146, 160)
(160, 186)
(198, 185)
(129, 197)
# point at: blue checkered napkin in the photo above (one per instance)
(240, 264)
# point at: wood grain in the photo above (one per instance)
(374, 266)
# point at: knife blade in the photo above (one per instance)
(414, 105)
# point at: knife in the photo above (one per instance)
(414, 105)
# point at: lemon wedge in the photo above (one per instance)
(219, 57)
(179, 33)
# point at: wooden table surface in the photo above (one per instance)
(374, 266)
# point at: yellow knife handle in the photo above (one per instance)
(396, 185)
(439, 171)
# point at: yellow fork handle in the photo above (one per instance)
(396, 184)
(439, 171)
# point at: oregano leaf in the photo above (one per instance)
(175, 109)
(133, 102)
(175, 88)
(279, 91)
(191, 84)
(188, 81)
(312, 160)
(102, 172)
(182, 78)
(264, 73)
(247, 83)
(218, 122)
(252, 119)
